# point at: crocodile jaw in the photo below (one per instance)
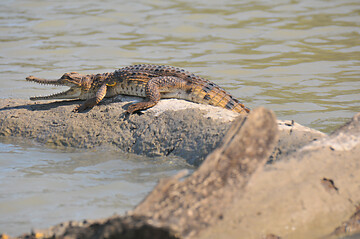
(72, 93)
(73, 80)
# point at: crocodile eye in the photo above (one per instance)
(65, 76)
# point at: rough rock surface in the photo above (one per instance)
(311, 194)
(311, 188)
(307, 195)
(350, 226)
(173, 127)
(183, 208)
(183, 129)
(188, 207)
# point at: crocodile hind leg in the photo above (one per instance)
(153, 91)
(88, 104)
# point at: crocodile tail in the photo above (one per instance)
(206, 92)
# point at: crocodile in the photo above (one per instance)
(152, 82)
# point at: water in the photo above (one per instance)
(42, 187)
(298, 58)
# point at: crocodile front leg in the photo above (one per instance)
(153, 89)
(88, 104)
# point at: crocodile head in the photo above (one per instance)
(79, 85)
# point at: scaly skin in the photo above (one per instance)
(152, 82)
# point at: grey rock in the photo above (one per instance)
(308, 189)
(173, 127)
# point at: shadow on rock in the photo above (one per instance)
(41, 106)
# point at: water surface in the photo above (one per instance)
(42, 187)
(298, 58)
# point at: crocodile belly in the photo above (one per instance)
(134, 88)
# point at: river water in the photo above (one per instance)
(298, 58)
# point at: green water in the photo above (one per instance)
(298, 58)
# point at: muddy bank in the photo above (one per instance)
(310, 193)
(173, 127)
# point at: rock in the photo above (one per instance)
(351, 226)
(307, 191)
(184, 208)
(306, 195)
(293, 136)
(173, 127)
(198, 202)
